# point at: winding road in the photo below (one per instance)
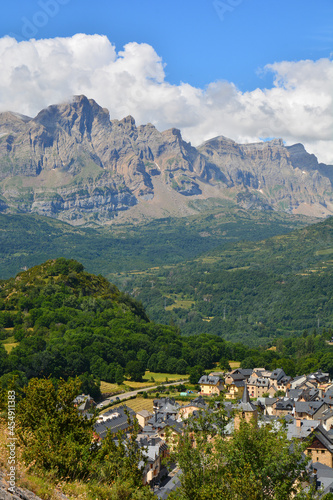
(125, 395)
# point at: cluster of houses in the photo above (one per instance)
(305, 403)
(259, 381)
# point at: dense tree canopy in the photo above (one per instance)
(256, 462)
(69, 323)
(56, 439)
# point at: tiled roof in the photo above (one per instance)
(144, 413)
(237, 376)
(211, 380)
(324, 477)
(115, 420)
(174, 483)
(309, 407)
(277, 374)
(294, 393)
(284, 404)
(324, 437)
(303, 430)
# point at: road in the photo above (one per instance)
(125, 395)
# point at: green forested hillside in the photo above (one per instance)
(28, 240)
(68, 322)
(246, 291)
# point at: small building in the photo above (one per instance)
(283, 407)
(321, 447)
(143, 417)
(324, 478)
(154, 450)
(327, 419)
(268, 404)
(166, 406)
(297, 381)
(231, 378)
(84, 403)
(319, 377)
(211, 385)
(196, 404)
(115, 420)
(235, 390)
(244, 372)
(310, 410)
(258, 386)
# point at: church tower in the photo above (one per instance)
(245, 410)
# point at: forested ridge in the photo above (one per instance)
(28, 240)
(67, 322)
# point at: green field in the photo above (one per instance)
(183, 303)
(9, 343)
(128, 385)
(139, 404)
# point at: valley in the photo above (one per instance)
(30, 239)
(251, 292)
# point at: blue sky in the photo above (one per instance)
(199, 40)
(246, 69)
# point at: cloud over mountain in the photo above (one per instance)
(37, 73)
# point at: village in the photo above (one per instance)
(304, 403)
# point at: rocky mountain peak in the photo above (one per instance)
(276, 142)
(128, 121)
(75, 116)
(300, 158)
(85, 166)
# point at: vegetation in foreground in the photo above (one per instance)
(256, 462)
(58, 444)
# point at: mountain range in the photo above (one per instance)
(73, 163)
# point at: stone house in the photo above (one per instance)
(231, 378)
(196, 404)
(321, 447)
(143, 417)
(154, 450)
(310, 410)
(283, 407)
(258, 386)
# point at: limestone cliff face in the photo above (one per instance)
(74, 163)
(277, 176)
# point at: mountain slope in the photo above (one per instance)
(246, 291)
(30, 239)
(67, 322)
(73, 163)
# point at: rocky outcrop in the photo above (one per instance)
(8, 492)
(281, 177)
(72, 162)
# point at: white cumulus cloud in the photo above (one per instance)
(298, 107)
